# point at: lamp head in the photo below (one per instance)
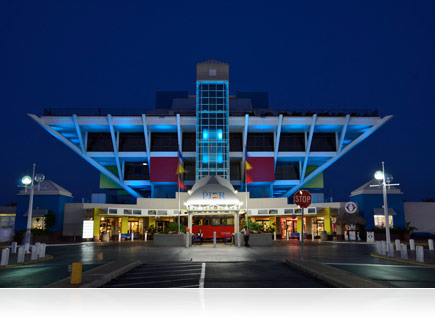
(39, 178)
(26, 180)
(379, 175)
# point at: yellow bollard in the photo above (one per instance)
(76, 273)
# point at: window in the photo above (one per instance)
(164, 142)
(292, 142)
(190, 167)
(323, 142)
(260, 142)
(99, 142)
(287, 171)
(212, 72)
(136, 171)
(189, 141)
(380, 220)
(235, 170)
(236, 142)
(132, 142)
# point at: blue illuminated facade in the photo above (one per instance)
(212, 144)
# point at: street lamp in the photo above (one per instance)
(28, 182)
(385, 181)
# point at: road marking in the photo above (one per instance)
(185, 286)
(145, 277)
(202, 278)
(170, 271)
(361, 264)
(147, 283)
(401, 260)
(169, 266)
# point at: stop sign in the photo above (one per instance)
(302, 198)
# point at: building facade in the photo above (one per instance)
(239, 138)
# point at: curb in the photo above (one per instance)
(332, 276)
(401, 260)
(47, 258)
(100, 279)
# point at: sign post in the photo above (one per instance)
(303, 199)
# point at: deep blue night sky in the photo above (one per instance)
(338, 54)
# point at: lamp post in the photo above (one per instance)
(386, 181)
(29, 182)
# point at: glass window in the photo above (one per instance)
(189, 141)
(136, 171)
(380, 220)
(99, 142)
(164, 142)
(260, 142)
(287, 171)
(292, 142)
(236, 142)
(132, 142)
(323, 142)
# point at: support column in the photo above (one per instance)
(236, 222)
(96, 226)
(189, 221)
(124, 225)
(151, 221)
(299, 224)
(327, 221)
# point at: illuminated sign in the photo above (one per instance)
(88, 229)
(213, 195)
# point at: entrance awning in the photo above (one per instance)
(380, 211)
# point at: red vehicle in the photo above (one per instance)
(222, 225)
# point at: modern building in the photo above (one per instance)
(211, 133)
(48, 198)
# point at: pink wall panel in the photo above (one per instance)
(164, 169)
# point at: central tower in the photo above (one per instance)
(212, 112)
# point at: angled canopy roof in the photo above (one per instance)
(47, 187)
(366, 189)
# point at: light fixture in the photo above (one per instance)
(39, 178)
(379, 175)
(144, 163)
(26, 180)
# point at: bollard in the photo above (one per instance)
(132, 236)
(419, 254)
(214, 239)
(312, 236)
(404, 251)
(107, 237)
(411, 244)
(391, 250)
(33, 252)
(286, 234)
(397, 242)
(274, 236)
(42, 250)
(378, 247)
(38, 249)
(430, 243)
(5, 257)
(146, 236)
(383, 248)
(76, 273)
(14, 248)
(238, 239)
(119, 236)
(20, 256)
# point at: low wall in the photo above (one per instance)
(263, 239)
(170, 239)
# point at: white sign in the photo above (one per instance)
(352, 235)
(88, 229)
(350, 207)
(370, 237)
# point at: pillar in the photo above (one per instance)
(124, 225)
(299, 224)
(96, 226)
(327, 221)
(236, 222)
(308, 224)
(189, 222)
(151, 221)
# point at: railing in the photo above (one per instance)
(323, 112)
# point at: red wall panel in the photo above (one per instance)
(164, 169)
(262, 169)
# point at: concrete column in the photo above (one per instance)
(214, 239)
(287, 237)
(187, 236)
(119, 236)
(238, 240)
(274, 236)
(327, 222)
(190, 221)
(42, 248)
(430, 243)
(20, 256)
(404, 251)
(419, 254)
(132, 236)
(411, 244)
(14, 247)
(96, 226)
(5, 257)
(397, 242)
(124, 225)
(151, 221)
(299, 223)
(146, 236)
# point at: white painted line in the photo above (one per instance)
(146, 283)
(167, 271)
(145, 277)
(202, 278)
(185, 286)
(167, 266)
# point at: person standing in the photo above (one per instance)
(245, 233)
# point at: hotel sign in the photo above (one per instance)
(213, 195)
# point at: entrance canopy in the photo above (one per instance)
(213, 193)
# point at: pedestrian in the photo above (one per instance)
(245, 233)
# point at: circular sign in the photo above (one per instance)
(302, 198)
(350, 207)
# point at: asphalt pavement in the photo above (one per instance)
(254, 260)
